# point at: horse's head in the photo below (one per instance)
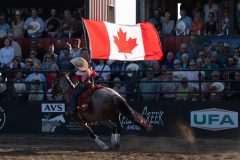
(62, 85)
(56, 89)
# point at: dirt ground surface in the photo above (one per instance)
(48, 147)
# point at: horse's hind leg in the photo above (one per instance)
(115, 139)
(88, 129)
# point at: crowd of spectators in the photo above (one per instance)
(206, 19)
(196, 72)
(208, 71)
(28, 25)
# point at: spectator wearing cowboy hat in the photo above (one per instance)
(36, 75)
(216, 87)
(19, 86)
(34, 25)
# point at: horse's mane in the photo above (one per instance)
(67, 86)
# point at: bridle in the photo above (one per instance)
(69, 82)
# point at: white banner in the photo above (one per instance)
(214, 119)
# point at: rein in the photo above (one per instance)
(66, 91)
(70, 83)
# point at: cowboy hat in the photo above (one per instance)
(20, 87)
(181, 26)
(80, 63)
(132, 67)
(219, 86)
(36, 27)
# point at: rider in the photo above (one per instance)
(83, 76)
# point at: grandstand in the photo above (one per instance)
(61, 31)
(193, 92)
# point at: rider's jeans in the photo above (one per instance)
(77, 91)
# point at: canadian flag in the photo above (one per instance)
(123, 42)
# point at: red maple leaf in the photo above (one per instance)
(124, 45)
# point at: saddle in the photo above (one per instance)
(83, 99)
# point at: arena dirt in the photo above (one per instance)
(48, 147)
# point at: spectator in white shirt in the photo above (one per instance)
(6, 54)
(76, 50)
(28, 25)
(210, 7)
(15, 45)
(103, 70)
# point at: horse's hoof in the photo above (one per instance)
(105, 148)
(149, 128)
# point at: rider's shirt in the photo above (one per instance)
(83, 77)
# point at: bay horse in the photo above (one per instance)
(106, 106)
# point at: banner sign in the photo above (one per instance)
(214, 119)
(55, 120)
(153, 116)
(204, 119)
(2, 117)
(20, 117)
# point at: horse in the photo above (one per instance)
(106, 106)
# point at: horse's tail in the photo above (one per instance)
(127, 111)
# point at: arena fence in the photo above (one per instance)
(191, 119)
(133, 91)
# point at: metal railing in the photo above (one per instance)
(134, 82)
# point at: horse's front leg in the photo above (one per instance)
(89, 130)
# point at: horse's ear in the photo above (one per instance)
(66, 74)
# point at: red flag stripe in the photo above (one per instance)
(151, 45)
(98, 36)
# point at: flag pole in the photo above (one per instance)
(87, 46)
(87, 41)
